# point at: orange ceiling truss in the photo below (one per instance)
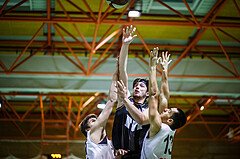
(63, 112)
(101, 17)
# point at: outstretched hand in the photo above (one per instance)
(122, 90)
(128, 35)
(164, 60)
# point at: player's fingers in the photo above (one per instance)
(168, 57)
(134, 36)
(124, 152)
(134, 29)
(154, 49)
(169, 61)
(119, 152)
(119, 85)
(157, 51)
(163, 55)
(130, 30)
(127, 32)
(122, 83)
(166, 54)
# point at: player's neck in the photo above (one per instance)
(139, 100)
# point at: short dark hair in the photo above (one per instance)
(179, 119)
(145, 81)
(84, 124)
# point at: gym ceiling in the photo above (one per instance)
(57, 58)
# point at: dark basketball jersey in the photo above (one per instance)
(127, 134)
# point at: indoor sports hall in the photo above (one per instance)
(57, 59)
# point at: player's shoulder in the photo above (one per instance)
(165, 127)
(120, 107)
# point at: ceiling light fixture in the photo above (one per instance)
(136, 10)
(134, 13)
(202, 108)
(102, 105)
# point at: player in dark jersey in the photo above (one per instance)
(131, 117)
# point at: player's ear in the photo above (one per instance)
(147, 94)
(170, 121)
(87, 129)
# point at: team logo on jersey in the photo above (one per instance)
(132, 124)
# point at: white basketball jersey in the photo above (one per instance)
(158, 146)
(99, 151)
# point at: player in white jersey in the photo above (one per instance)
(101, 150)
(158, 140)
(97, 145)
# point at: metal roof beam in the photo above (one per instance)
(120, 22)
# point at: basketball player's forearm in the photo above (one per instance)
(153, 87)
(103, 117)
(164, 92)
(123, 57)
(164, 85)
(153, 95)
(112, 95)
(137, 115)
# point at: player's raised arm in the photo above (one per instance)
(154, 116)
(164, 89)
(123, 57)
(98, 129)
(163, 121)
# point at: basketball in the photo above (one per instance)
(117, 3)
